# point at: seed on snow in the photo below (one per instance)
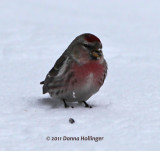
(71, 120)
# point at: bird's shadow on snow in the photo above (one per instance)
(50, 102)
(57, 103)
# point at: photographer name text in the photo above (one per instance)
(80, 138)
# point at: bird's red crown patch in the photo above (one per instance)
(91, 38)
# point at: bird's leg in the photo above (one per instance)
(87, 105)
(66, 105)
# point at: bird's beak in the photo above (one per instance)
(97, 53)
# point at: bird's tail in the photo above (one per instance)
(42, 82)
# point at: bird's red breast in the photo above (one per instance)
(84, 71)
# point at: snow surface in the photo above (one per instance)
(126, 112)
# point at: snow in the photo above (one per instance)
(126, 110)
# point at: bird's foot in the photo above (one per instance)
(87, 105)
(66, 105)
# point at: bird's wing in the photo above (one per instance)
(56, 72)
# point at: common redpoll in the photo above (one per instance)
(79, 72)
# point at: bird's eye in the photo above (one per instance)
(87, 46)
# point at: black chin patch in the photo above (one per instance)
(94, 58)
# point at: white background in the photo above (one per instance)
(126, 110)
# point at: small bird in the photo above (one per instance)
(79, 72)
